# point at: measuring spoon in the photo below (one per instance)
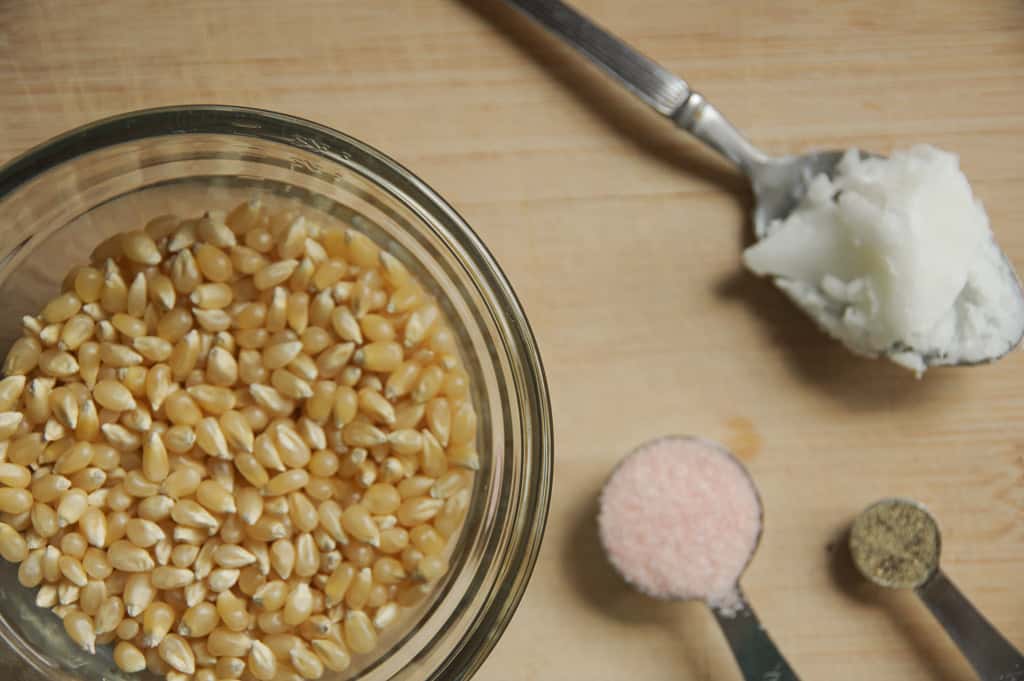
(895, 559)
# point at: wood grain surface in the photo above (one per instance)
(622, 238)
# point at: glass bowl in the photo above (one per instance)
(61, 199)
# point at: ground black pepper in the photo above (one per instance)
(895, 543)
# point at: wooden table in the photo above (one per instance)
(622, 238)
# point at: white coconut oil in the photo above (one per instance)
(895, 257)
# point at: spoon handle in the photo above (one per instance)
(662, 90)
(991, 655)
(756, 654)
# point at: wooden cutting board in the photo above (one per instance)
(622, 238)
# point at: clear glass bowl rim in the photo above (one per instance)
(337, 147)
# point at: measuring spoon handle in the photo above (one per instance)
(991, 655)
(753, 648)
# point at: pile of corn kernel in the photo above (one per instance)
(235, 447)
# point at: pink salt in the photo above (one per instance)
(680, 518)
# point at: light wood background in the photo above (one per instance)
(622, 238)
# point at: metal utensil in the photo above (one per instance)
(991, 655)
(779, 183)
(756, 654)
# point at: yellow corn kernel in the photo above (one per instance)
(233, 556)
(302, 512)
(381, 499)
(109, 615)
(139, 247)
(274, 273)
(72, 570)
(161, 291)
(301, 278)
(138, 485)
(222, 579)
(282, 557)
(58, 363)
(61, 308)
(184, 356)
(139, 593)
(44, 520)
(155, 508)
(183, 555)
(359, 632)
(271, 596)
(357, 521)
(13, 546)
(266, 452)
(423, 324)
(418, 510)
(286, 482)
(70, 509)
(393, 540)
(93, 525)
(232, 611)
(331, 361)
(96, 563)
(166, 577)
(388, 571)
(135, 301)
(79, 628)
(331, 653)
(180, 439)
(185, 272)
(88, 283)
(30, 572)
(213, 263)
(156, 623)
(307, 556)
(11, 389)
(128, 658)
(376, 406)
(262, 663)
(299, 604)
(113, 395)
(153, 348)
(191, 514)
(177, 652)
(306, 662)
(451, 515)
(362, 434)
(181, 409)
(199, 620)
(248, 502)
(297, 311)
(346, 326)
(23, 356)
(129, 326)
(222, 642)
(128, 557)
(289, 385)
(439, 420)
(175, 324)
(213, 296)
(293, 450)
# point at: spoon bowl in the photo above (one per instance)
(780, 184)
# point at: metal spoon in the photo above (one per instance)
(779, 183)
(896, 559)
(755, 652)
